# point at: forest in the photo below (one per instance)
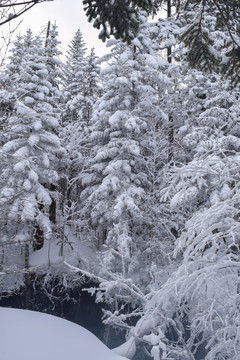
(123, 172)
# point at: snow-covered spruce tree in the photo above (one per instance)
(55, 68)
(29, 159)
(54, 65)
(120, 179)
(92, 86)
(71, 125)
(16, 56)
(74, 71)
(81, 91)
(7, 103)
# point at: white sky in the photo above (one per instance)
(69, 16)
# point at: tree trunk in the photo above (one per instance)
(27, 276)
(170, 117)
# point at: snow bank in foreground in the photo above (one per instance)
(28, 335)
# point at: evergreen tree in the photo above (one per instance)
(75, 66)
(29, 158)
(82, 91)
(54, 65)
(17, 53)
(92, 86)
(119, 179)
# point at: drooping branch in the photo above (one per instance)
(225, 19)
(118, 18)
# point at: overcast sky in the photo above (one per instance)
(69, 16)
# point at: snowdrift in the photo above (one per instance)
(28, 335)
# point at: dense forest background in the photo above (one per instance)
(120, 175)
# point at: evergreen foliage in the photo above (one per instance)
(75, 63)
(206, 189)
(30, 153)
(81, 91)
(144, 198)
(210, 28)
(123, 177)
(54, 65)
(211, 36)
(120, 16)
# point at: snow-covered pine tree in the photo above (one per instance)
(17, 53)
(54, 65)
(55, 69)
(29, 159)
(119, 180)
(74, 71)
(92, 86)
(82, 90)
(71, 122)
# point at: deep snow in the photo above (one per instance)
(29, 335)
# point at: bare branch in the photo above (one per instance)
(5, 42)
(12, 9)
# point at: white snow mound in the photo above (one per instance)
(28, 335)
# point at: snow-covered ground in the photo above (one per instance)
(29, 335)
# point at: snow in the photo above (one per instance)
(43, 196)
(128, 348)
(27, 335)
(29, 208)
(37, 125)
(33, 176)
(20, 166)
(33, 139)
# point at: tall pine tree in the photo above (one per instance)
(29, 158)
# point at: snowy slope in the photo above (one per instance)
(29, 335)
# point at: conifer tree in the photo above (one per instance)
(70, 119)
(81, 90)
(54, 65)
(117, 183)
(92, 86)
(120, 17)
(17, 53)
(75, 66)
(29, 158)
